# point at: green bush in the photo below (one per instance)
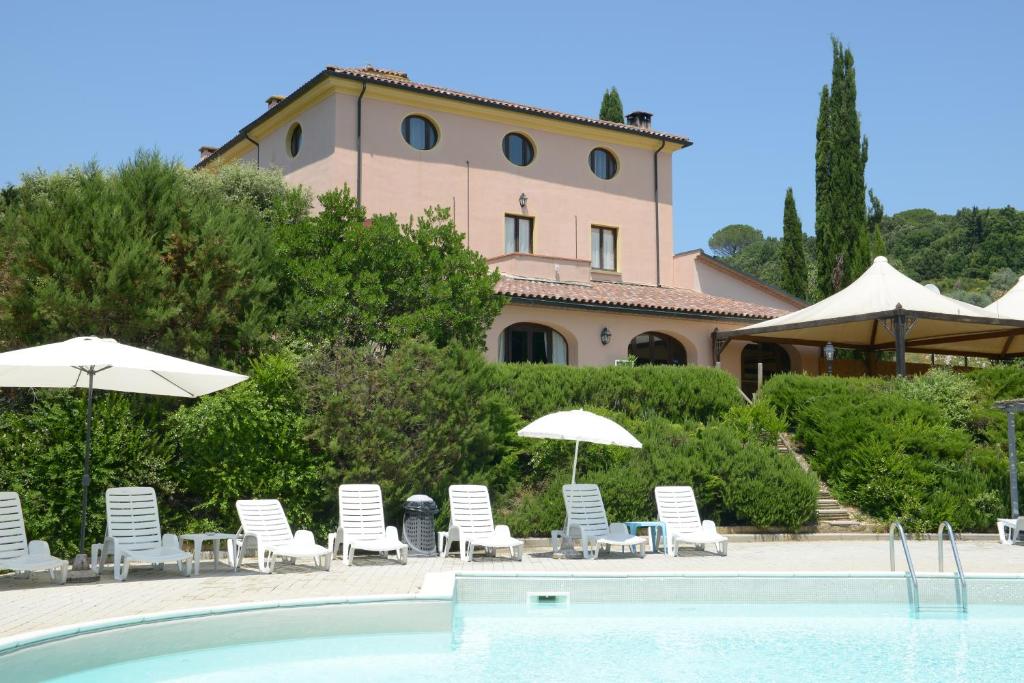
(414, 420)
(903, 449)
(679, 394)
(42, 447)
(737, 474)
(248, 442)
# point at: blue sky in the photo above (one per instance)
(940, 84)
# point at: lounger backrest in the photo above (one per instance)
(584, 507)
(471, 509)
(677, 507)
(361, 510)
(132, 517)
(264, 519)
(13, 541)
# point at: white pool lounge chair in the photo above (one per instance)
(1011, 531)
(587, 521)
(133, 534)
(472, 525)
(19, 554)
(361, 524)
(265, 525)
(677, 508)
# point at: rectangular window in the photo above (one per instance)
(603, 243)
(518, 235)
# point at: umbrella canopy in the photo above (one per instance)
(884, 304)
(113, 367)
(579, 425)
(95, 363)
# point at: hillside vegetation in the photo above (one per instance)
(974, 255)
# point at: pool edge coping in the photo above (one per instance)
(436, 587)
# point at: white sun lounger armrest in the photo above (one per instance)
(391, 534)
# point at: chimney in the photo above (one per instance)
(640, 119)
(206, 151)
(273, 101)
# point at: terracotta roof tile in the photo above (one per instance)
(670, 299)
(401, 80)
(398, 79)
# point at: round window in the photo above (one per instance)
(603, 164)
(295, 140)
(419, 132)
(518, 149)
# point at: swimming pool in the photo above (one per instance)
(569, 635)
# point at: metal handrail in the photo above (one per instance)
(915, 594)
(961, 583)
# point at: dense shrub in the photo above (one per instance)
(900, 449)
(737, 474)
(679, 394)
(248, 442)
(413, 421)
(149, 253)
(41, 453)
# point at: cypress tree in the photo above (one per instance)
(875, 214)
(840, 158)
(794, 260)
(611, 106)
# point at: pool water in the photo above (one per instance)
(630, 642)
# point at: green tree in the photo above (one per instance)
(384, 282)
(611, 106)
(876, 212)
(840, 158)
(151, 254)
(732, 239)
(794, 259)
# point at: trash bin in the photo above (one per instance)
(418, 525)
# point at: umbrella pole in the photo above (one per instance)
(88, 452)
(575, 457)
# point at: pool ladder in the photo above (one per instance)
(913, 586)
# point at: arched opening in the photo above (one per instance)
(773, 358)
(654, 348)
(531, 343)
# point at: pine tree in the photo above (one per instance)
(840, 158)
(611, 106)
(794, 259)
(875, 214)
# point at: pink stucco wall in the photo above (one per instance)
(467, 172)
(690, 271)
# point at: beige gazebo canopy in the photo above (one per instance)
(1011, 304)
(884, 309)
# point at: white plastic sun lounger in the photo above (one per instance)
(133, 534)
(472, 525)
(586, 519)
(1011, 531)
(361, 524)
(677, 508)
(19, 554)
(264, 523)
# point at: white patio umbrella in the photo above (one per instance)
(579, 425)
(95, 363)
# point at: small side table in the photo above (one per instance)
(213, 537)
(657, 530)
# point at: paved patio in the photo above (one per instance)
(34, 603)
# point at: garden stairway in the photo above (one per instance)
(832, 517)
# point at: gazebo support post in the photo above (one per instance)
(1011, 430)
(899, 329)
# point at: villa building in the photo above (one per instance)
(575, 212)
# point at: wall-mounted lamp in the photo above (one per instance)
(606, 336)
(830, 355)
(522, 201)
